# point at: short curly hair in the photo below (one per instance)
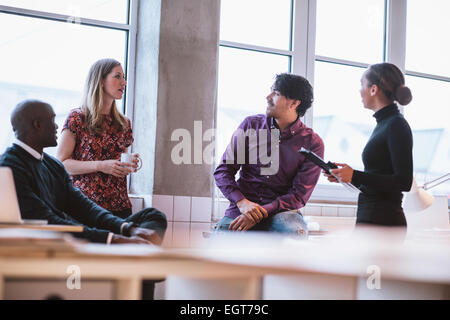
(295, 87)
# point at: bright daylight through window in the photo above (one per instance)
(62, 52)
(349, 36)
(428, 75)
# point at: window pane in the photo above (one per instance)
(428, 115)
(339, 116)
(350, 29)
(49, 60)
(427, 44)
(264, 23)
(245, 78)
(106, 10)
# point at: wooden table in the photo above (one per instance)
(256, 266)
(49, 227)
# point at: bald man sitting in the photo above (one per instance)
(45, 190)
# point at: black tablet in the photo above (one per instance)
(326, 166)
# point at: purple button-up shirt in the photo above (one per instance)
(287, 189)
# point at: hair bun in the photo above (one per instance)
(403, 95)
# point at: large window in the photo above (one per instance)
(350, 36)
(332, 43)
(254, 48)
(339, 117)
(47, 48)
(243, 86)
(427, 45)
(428, 75)
(270, 27)
(347, 40)
(352, 30)
(109, 10)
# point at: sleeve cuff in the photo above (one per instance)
(271, 207)
(236, 196)
(109, 239)
(123, 225)
(356, 178)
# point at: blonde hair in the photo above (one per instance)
(92, 101)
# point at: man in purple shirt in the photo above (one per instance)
(275, 179)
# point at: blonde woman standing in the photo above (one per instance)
(94, 137)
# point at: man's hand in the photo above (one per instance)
(253, 211)
(146, 234)
(118, 239)
(241, 223)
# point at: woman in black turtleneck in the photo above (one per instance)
(387, 157)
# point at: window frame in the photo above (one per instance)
(303, 58)
(392, 40)
(129, 28)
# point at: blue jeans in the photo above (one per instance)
(288, 222)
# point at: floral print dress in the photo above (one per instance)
(106, 190)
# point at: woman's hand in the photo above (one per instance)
(115, 167)
(135, 162)
(344, 173)
(330, 177)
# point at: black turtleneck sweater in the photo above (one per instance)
(387, 158)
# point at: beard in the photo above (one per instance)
(270, 112)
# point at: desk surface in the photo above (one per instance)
(236, 256)
(50, 227)
(261, 253)
(423, 259)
